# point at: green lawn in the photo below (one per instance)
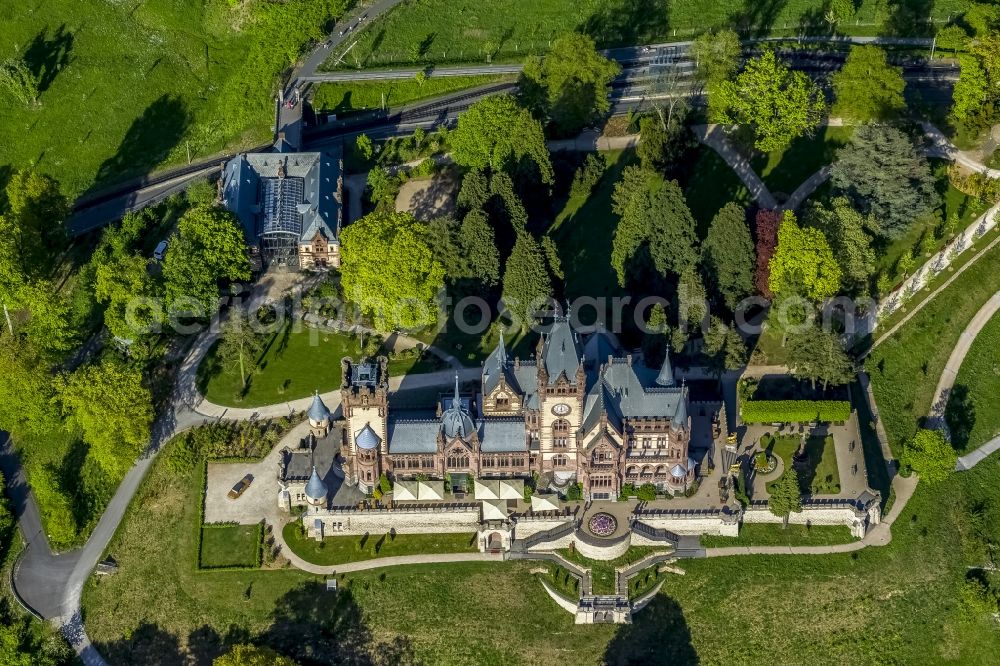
(711, 186)
(341, 549)
(973, 412)
(128, 87)
(584, 232)
(784, 170)
(439, 31)
(602, 573)
(347, 98)
(806, 609)
(761, 534)
(294, 364)
(229, 545)
(821, 476)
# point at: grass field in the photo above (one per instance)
(602, 572)
(294, 364)
(905, 368)
(347, 98)
(757, 534)
(229, 545)
(973, 412)
(711, 186)
(437, 31)
(806, 609)
(821, 477)
(784, 170)
(340, 549)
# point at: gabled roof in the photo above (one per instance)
(561, 351)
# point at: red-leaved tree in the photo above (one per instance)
(766, 233)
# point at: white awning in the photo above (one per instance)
(494, 510)
(512, 489)
(548, 502)
(430, 491)
(405, 491)
(487, 489)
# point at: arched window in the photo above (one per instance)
(560, 433)
(458, 458)
(560, 461)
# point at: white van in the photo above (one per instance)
(160, 251)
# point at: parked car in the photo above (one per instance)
(240, 487)
(161, 250)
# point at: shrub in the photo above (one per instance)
(647, 492)
(574, 492)
(628, 490)
(794, 411)
(760, 461)
(975, 184)
(384, 484)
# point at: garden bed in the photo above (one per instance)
(820, 475)
(342, 549)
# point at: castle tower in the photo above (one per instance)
(364, 391)
(319, 416)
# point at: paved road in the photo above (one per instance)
(805, 190)
(714, 136)
(436, 72)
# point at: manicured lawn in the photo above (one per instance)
(473, 348)
(806, 609)
(341, 549)
(294, 364)
(229, 545)
(347, 98)
(602, 573)
(820, 477)
(436, 31)
(584, 233)
(126, 87)
(905, 368)
(758, 534)
(784, 170)
(973, 412)
(711, 186)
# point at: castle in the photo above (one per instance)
(582, 411)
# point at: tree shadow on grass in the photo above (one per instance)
(908, 18)
(756, 18)
(316, 627)
(658, 635)
(148, 142)
(46, 56)
(960, 415)
(627, 22)
(152, 646)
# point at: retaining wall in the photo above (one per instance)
(403, 521)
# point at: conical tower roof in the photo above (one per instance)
(666, 376)
(318, 411)
(316, 490)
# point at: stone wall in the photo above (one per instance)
(602, 549)
(719, 524)
(464, 518)
(529, 526)
(844, 515)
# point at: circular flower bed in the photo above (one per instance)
(602, 524)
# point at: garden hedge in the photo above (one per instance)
(794, 411)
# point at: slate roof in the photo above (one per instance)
(297, 463)
(413, 432)
(315, 489)
(561, 350)
(300, 202)
(502, 435)
(630, 390)
(367, 439)
(318, 411)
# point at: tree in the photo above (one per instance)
(723, 347)
(816, 354)
(884, 175)
(653, 214)
(654, 339)
(972, 92)
(112, 408)
(786, 497)
(867, 88)
(388, 269)
(803, 263)
(552, 259)
(240, 345)
(479, 247)
(766, 230)
(845, 228)
(475, 190)
(19, 82)
(207, 248)
(25, 389)
(728, 254)
(570, 84)
(33, 229)
(663, 137)
(383, 188)
(526, 283)
(122, 281)
(252, 655)
(717, 55)
(929, 455)
(778, 104)
(364, 146)
(502, 187)
(499, 134)
(692, 298)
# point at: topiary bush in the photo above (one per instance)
(794, 411)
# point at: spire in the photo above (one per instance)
(456, 403)
(501, 352)
(666, 376)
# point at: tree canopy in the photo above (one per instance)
(25, 389)
(778, 104)
(884, 175)
(252, 655)
(729, 254)
(122, 281)
(803, 264)
(930, 455)
(207, 248)
(653, 214)
(845, 229)
(786, 496)
(817, 355)
(867, 87)
(527, 286)
(388, 269)
(717, 55)
(34, 224)
(570, 83)
(110, 405)
(497, 133)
